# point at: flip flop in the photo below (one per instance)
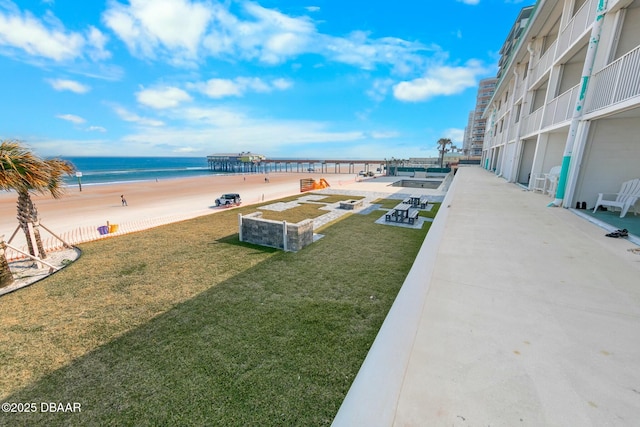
(618, 233)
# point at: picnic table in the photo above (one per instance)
(414, 200)
(403, 211)
(417, 201)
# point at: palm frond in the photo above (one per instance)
(21, 170)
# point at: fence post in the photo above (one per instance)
(284, 235)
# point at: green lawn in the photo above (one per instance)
(185, 325)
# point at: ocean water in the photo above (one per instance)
(105, 170)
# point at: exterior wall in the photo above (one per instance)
(613, 145)
(553, 150)
(265, 232)
(630, 34)
(299, 235)
(528, 153)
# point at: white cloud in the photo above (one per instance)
(23, 33)
(268, 136)
(96, 129)
(218, 117)
(267, 35)
(384, 134)
(363, 51)
(282, 84)
(129, 116)
(313, 8)
(71, 118)
(70, 85)
(471, 2)
(220, 88)
(183, 32)
(440, 80)
(96, 42)
(160, 98)
(172, 27)
(231, 129)
(379, 89)
(455, 135)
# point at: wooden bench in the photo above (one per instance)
(424, 201)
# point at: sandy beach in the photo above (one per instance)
(180, 198)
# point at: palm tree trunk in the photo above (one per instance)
(6, 277)
(28, 214)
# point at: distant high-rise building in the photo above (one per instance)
(474, 132)
(466, 139)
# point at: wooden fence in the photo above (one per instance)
(90, 234)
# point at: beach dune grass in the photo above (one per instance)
(185, 325)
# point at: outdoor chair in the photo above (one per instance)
(624, 199)
(552, 179)
(546, 183)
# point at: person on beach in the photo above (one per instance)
(124, 201)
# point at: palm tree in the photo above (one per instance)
(6, 277)
(24, 172)
(442, 144)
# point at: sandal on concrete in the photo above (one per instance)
(618, 233)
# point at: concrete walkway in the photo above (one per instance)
(514, 314)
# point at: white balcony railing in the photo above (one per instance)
(561, 107)
(617, 82)
(531, 123)
(544, 64)
(577, 25)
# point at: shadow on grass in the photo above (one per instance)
(235, 241)
(276, 344)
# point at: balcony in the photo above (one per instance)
(531, 123)
(560, 108)
(544, 64)
(616, 83)
(580, 22)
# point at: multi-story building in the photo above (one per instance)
(569, 96)
(476, 129)
(466, 139)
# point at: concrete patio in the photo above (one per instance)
(514, 313)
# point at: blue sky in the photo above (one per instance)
(346, 79)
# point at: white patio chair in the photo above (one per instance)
(624, 199)
(546, 183)
(538, 182)
(551, 180)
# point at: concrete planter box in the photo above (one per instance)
(351, 204)
(275, 234)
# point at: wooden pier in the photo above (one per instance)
(255, 163)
